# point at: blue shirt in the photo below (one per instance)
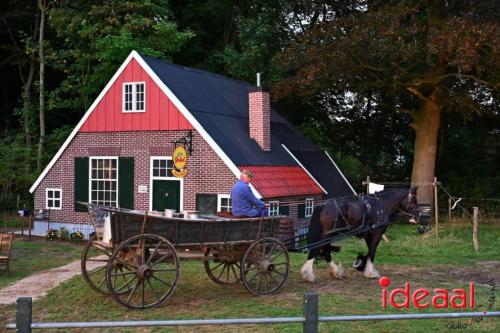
(243, 202)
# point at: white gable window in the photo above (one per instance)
(309, 207)
(223, 203)
(274, 208)
(53, 198)
(134, 97)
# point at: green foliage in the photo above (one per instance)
(257, 42)
(63, 234)
(76, 237)
(51, 235)
(17, 163)
(347, 66)
(359, 69)
(98, 35)
(472, 170)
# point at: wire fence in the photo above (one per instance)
(310, 319)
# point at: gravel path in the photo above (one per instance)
(37, 285)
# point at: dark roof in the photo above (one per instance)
(220, 105)
(325, 172)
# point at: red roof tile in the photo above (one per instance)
(282, 181)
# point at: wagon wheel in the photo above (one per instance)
(222, 270)
(95, 257)
(152, 270)
(264, 268)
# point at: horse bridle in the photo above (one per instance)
(410, 196)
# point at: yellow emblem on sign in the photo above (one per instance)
(180, 160)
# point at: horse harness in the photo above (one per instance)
(374, 208)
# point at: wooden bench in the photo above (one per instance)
(5, 249)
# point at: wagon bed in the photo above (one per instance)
(190, 232)
(140, 267)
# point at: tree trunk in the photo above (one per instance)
(27, 102)
(42, 5)
(426, 123)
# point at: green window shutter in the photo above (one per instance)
(302, 211)
(284, 210)
(81, 182)
(126, 182)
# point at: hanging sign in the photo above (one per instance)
(180, 160)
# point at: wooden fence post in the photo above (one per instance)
(311, 312)
(474, 230)
(23, 315)
(436, 207)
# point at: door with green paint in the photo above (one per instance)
(166, 194)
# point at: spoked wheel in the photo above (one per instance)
(95, 257)
(223, 269)
(152, 271)
(264, 268)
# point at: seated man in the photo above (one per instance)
(243, 201)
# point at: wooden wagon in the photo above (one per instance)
(140, 267)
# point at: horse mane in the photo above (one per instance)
(391, 190)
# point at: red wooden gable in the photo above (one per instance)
(160, 114)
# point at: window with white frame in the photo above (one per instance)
(309, 207)
(274, 208)
(53, 198)
(162, 168)
(223, 203)
(104, 181)
(134, 97)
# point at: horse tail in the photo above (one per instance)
(314, 234)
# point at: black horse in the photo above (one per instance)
(368, 218)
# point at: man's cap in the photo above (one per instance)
(247, 172)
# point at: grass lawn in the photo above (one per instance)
(408, 257)
(38, 255)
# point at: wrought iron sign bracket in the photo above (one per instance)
(186, 141)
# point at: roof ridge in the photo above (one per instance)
(198, 70)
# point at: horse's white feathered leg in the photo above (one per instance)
(370, 271)
(307, 271)
(336, 271)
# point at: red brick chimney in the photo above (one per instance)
(259, 116)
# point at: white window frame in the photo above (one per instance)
(91, 158)
(151, 178)
(309, 205)
(134, 96)
(53, 199)
(274, 208)
(219, 202)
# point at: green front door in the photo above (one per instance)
(166, 194)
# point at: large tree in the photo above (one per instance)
(421, 57)
(95, 36)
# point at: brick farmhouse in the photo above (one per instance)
(120, 153)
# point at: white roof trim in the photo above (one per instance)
(184, 111)
(331, 159)
(296, 160)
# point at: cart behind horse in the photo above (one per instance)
(140, 267)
